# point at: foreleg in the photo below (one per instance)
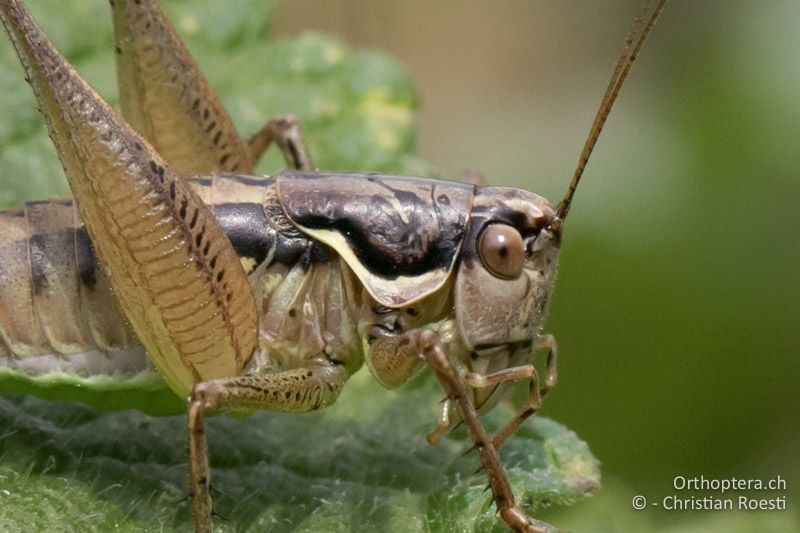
(430, 347)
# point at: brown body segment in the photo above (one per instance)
(72, 295)
(67, 306)
(20, 330)
(186, 296)
(53, 265)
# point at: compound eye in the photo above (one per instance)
(501, 251)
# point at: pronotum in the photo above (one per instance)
(266, 292)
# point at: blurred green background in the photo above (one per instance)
(677, 307)
(678, 300)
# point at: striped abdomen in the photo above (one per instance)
(57, 310)
(53, 296)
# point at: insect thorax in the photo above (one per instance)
(311, 303)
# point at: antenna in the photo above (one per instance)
(633, 44)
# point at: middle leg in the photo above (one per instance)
(284, 132)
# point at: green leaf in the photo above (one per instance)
(361, 465)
